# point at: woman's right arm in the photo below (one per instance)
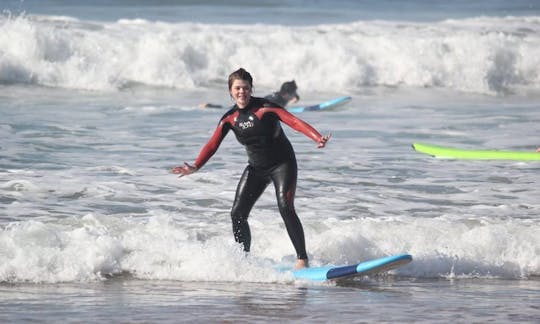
(206, 152)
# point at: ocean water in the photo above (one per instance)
(98, 101)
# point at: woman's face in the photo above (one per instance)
(241, 92)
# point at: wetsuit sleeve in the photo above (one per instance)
(297, 124)
(213, 144)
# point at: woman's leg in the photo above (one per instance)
(249, 189)
(284, 178)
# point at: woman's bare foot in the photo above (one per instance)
(301, 263)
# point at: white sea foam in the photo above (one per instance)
(93, 248)
(481, 55)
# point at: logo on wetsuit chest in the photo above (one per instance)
(246, 124)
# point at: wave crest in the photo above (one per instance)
(480, 55)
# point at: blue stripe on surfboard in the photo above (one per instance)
(335, 102)
(327, 104)
(362, 268)
(343, 271)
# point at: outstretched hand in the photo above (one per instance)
(323, 140)
(184, 170)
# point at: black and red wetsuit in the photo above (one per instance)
(271, 158)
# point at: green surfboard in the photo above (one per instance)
(467, 154)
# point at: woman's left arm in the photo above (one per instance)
(301, 126)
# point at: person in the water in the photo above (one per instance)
(271, 158)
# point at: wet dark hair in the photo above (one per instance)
(289, 87)
(240, 74)
(288, 90)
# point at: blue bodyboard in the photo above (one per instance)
(325, 105)
(359, 269)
